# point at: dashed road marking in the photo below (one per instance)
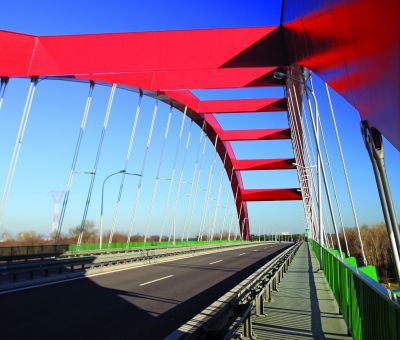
(161, 278)
(215, 262)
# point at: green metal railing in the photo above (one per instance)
(62, 248)
(370, 310)
(119, 245)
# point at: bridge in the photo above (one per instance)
(182, 253)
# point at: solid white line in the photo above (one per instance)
(215, 262)
(161, 278)
(255, 250)
(241, 254)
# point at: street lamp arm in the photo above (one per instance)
(102, 199)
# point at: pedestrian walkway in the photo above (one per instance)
(303, 307)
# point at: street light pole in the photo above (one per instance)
(102, 201)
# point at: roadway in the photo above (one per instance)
(140, 303)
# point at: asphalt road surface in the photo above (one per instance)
(140, 303)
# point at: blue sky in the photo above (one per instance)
(57, 108)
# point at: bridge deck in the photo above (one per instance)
(304, 307)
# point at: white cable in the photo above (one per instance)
(229, 191)
(140, 182)
(157, 179)
(74, 160)
(332, 178)
(233, 213)
(17, 148)
(302, 172)
(314, 124)
(346, 175)
(194, 204)
(172, 177)
(208, 192)
(127, 159)
(308, 144)
(96, 163)
(218, 197)
(180, 182)
(192, 185)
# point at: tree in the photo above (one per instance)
(90, 233)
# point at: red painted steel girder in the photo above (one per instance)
(271, 194)
(116, 53)
(242, 105)
(186, 97)
(192, 79)
(256, 134)
(264, 164)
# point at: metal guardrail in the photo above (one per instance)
(370, 310)
(27, 253)
(231, 313)
(17, 253)
(11, 272)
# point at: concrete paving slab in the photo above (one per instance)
(303, 307)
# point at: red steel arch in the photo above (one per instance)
(168, 64)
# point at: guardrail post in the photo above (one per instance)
(274, 285)
(247, 328)
(268, 293)
(260, 299)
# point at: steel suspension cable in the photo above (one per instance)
(238, 221)
(301, 172)
(308, 145)
(140, 182)
(309, 166)
(233, 212)
(229, 190)
(172, 177)
(17, 147)
(311, 155)
(192, 184)
(127, 159)
(96, 163)
(218, 197)
(353, 208)
(314, 124)
(315, 160)
(317, 192)
(303, 178)
(332, 178)
(74, 160)
(157, 179)
(180, 182)
(192, 209)
(208, 192)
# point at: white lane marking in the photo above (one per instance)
(90, 275)
(152, 281)
(241, 254)
(255, 250)
(215, 262)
